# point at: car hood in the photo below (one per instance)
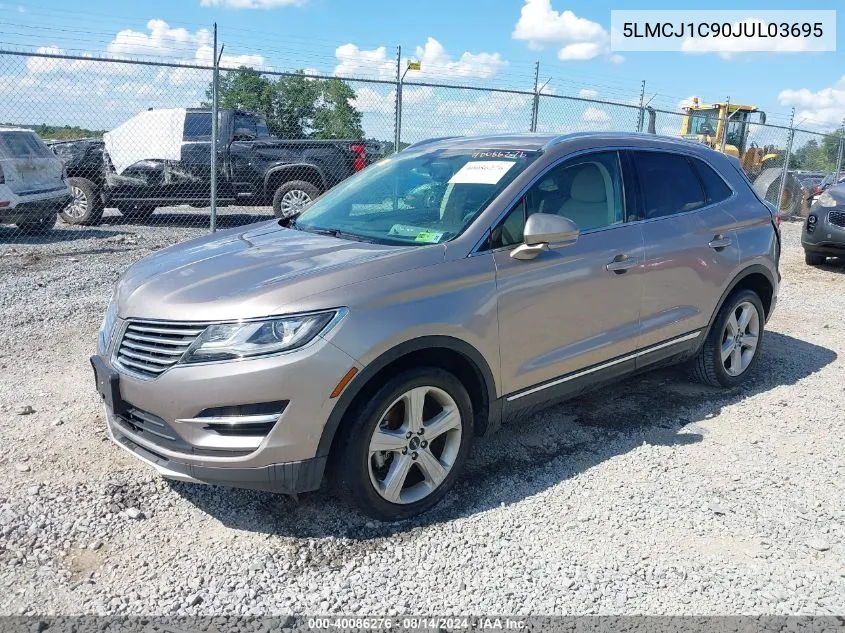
(262, 271)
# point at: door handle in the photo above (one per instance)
(620, 264)
(720, 242)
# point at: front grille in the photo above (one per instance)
(836, 218)
(148, 348)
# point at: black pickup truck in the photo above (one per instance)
(254, 168)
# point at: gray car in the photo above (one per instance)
(823, 235)
(426, 300)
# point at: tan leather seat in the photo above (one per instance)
(587, 206)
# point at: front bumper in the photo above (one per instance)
(162, 420)
(827, 238)
(32, 210)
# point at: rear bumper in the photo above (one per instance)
(35, 209)
(286, 478)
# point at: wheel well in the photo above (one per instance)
(299, 172)
(443, 358)
(759, 284)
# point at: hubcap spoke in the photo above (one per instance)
(736, 360)
(744, 318)
(727, 348)
(749, 342)
(414, 401)
(446, 420)
(387, 441)
(733, 326)
(431, 467)
(395, 478)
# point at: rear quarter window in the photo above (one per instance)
(715, 188)
(23, 145)
(669, 184)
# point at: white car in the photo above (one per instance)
(33, 187)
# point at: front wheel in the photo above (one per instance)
(86, 206)
(733, 344)
(292, 198)
(404, 448)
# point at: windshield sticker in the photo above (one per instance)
(428, 237)
(481, 172)
(500, 154)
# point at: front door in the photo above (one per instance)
(575, 307)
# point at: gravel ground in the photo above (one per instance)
(653, 496)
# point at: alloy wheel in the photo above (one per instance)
(293, 202)
(78, 207)
(740, 338)
(415, 445)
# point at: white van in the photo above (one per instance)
(33, 187)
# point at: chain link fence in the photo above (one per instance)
(135, 140)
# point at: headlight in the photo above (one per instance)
(227, 341)
(107, 325)
(827, 200)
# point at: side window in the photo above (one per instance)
(714, 187)
(245, 126)
(586, 189)
(668, 183)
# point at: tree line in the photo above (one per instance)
(295, 106)
(815, 156)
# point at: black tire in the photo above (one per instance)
(87, 207)
(707, 366)
(767, 186)
(304, 189)
(813, 259)
(39, 226)
(352, 450)
(136, 211)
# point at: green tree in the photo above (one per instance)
(295, 106)
(335, 115)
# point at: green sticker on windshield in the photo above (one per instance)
(428, 237)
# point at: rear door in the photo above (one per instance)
(29, 167)
(691, 245)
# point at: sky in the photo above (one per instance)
(459, 42)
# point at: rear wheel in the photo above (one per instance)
(86, 207)
(733, 343)
(291, 198)
(41, 225)
(404, 448)
(813, 259)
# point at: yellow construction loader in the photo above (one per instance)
(726, 128)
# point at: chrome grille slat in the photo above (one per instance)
(160, 340)
(155, 350)
(146, 357)
(148, 348)
(165, 330)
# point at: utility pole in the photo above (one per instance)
(839, 159)
(214, 132)
(641, 119)
(535, 106)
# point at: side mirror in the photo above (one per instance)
(544, 231)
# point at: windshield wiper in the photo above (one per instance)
(331, 232)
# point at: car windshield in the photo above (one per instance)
(423, 197)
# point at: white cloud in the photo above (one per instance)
(595, 115)
(731, 47)
(252, 4)
(162, 40)
(588, 93)
(579, 38)
(825, 106)
(687, 102)
(44, 65)
(357, 62)
(435, 63)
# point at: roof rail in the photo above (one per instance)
(428, 141)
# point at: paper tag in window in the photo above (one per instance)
(482, 172)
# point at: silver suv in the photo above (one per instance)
(425, 300)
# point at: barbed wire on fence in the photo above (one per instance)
(287, 135)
